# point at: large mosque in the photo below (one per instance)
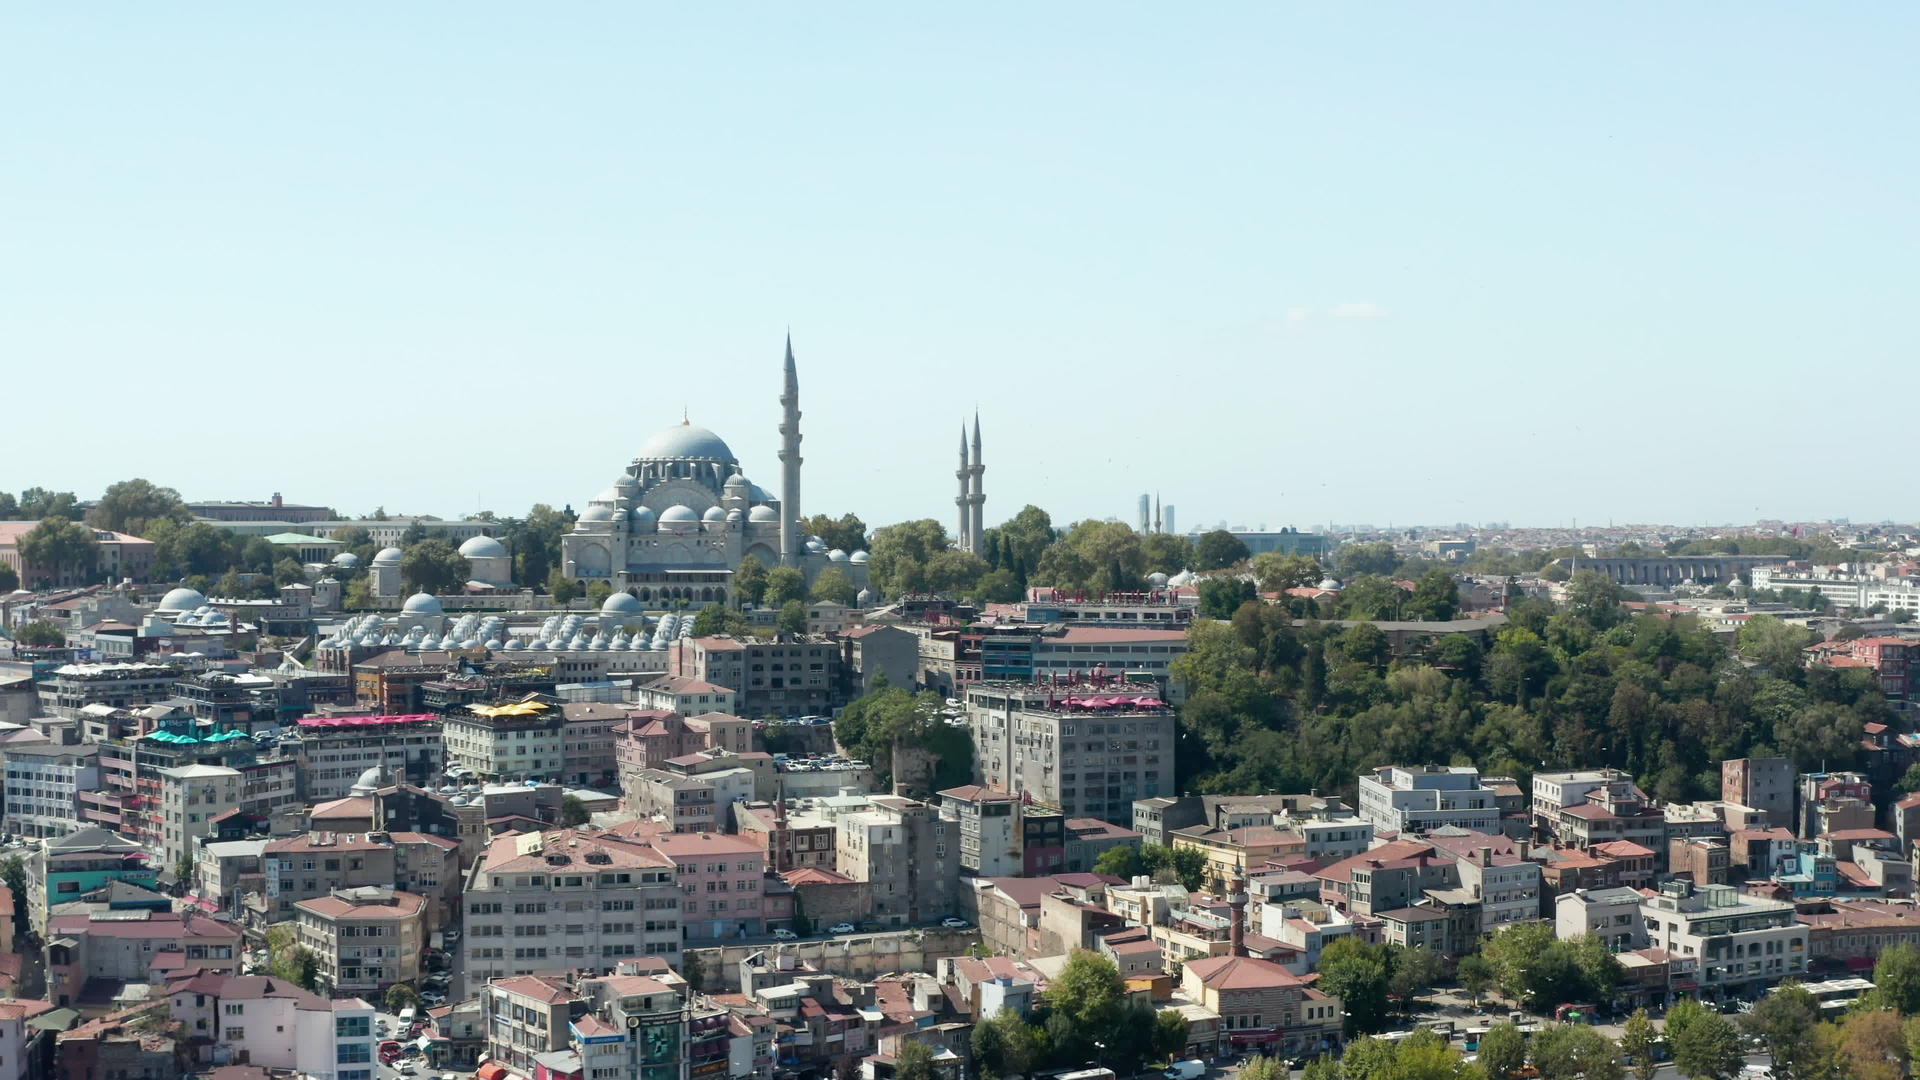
(676, 523)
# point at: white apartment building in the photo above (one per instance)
(567, 899)
(1329, 838)
(1736, 939)
(191, 796)
(266, 1021)
(1305, 926)
(1842, 589)
(1612, 915)
(43, 783)
(530, 746)
(1506, 886)
(1417, 798)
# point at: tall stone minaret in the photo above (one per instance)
(976, 498)
(961, 540)
(790, 538)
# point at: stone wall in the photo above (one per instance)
(853, 956)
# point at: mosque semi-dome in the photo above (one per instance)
(686, 441)
(836, 555)
(858, 557)
(763, 512)
(346, 559)
(483, 547)
(714, 513)
(678, 513)
(422, 604)
(596, 513)
(387, 556)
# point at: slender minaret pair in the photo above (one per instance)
(972, 500)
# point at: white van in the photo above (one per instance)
(1190, 1069)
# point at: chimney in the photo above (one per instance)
(1483, 856)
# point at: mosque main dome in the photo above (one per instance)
(684, 441)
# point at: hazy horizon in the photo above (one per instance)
(1282, 265)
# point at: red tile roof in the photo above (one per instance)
(536, 987)
(1241, 973)
(813, 875)
(405, 905)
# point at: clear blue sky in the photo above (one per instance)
(1284, 263)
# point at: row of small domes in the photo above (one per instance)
(644, 518)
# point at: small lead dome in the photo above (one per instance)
(422, 604)
(620, 603)
(483, 547)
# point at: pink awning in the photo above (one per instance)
(365, 721)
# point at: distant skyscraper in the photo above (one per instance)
(1167, 517)
(1145, 506)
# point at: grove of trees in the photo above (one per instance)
(873, 723)
(1272, 705)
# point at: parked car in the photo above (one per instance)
(784, 934)
(956, 924)
(840, 928)
(452, 935)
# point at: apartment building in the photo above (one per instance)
(908, 856)
(586, 750)
(988, 823)
(523, 740)
(70, 688)
(685, 695)
(1594, 807)
(722, 877)
(791, 677)
(1737, 939)
(266, 1022)
(1089, 750)
(43, 785)
(335, 751)
(1765, 784)
(313, 864)
(135, 946)
(191, 796)
(1418, 798)
(566, 898)
(366, 938)
(1612, 915)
